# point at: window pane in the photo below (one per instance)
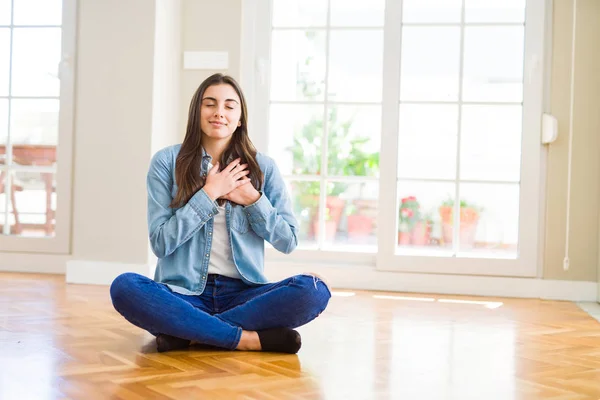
(493, 64)
(351, 215)
(305, 202)
(430, 63)
(34, 121)
(491, 143)
(35, 204)
(298, 65)
(427, 141)
(36, 54)
(356, 66)
(295, 138)
(290, 13)
(427, 11)
(4, 60)
(490, 218)
(494, 11)
(354, 135)
(420, 218)
(38, 12)
(357, 13)
(5, 13)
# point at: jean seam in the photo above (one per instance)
(238, 334)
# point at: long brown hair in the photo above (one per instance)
(187, 166)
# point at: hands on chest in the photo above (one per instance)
(231, 184)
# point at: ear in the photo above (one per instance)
(239, 123)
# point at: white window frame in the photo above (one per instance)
(255, 45)
(60, 242)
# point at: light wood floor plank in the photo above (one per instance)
(61, 341)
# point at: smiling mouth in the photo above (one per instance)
(215, 123)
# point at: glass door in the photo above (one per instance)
(36, 83)
(408, 130)
(461, 136)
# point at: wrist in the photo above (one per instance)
(255, 197)
(210, 192)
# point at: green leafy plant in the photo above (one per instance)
(449, 202)
(345, 154)
(409, 214)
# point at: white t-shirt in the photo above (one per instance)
(221, 257)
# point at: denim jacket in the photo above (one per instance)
(181, 238)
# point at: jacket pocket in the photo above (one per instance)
(240, 222)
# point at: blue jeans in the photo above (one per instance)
(218, 315)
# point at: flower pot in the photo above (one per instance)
(404, 238)
(469, 219)
(335, 205)
(330, 230)
(336, 208)
(421, 234)
(359, 225)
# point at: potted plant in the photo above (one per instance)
(414, 227)
(345, 157)
(360, 225)
(421, 233)
(469, 218)
(330, 226)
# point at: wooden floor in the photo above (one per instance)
(66, 341)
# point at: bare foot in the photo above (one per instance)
(249, 341)
(278, 340)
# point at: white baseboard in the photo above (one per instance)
(102, 273)
(33, 263)
(367, 278)
(351, 277)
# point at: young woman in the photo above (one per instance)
(212, 202)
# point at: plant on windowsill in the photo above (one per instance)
(414, 227)
(469, 219)
(360, 224)
(345, 157)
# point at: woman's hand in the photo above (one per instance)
(218, 184)
(244, 195)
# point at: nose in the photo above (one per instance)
(219, 111)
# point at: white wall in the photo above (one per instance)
(113, 126)
(585, 179)
(166, 111)
(209, 26)
(127, 108)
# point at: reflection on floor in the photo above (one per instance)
(66, 341)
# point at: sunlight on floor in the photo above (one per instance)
(486, 304)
